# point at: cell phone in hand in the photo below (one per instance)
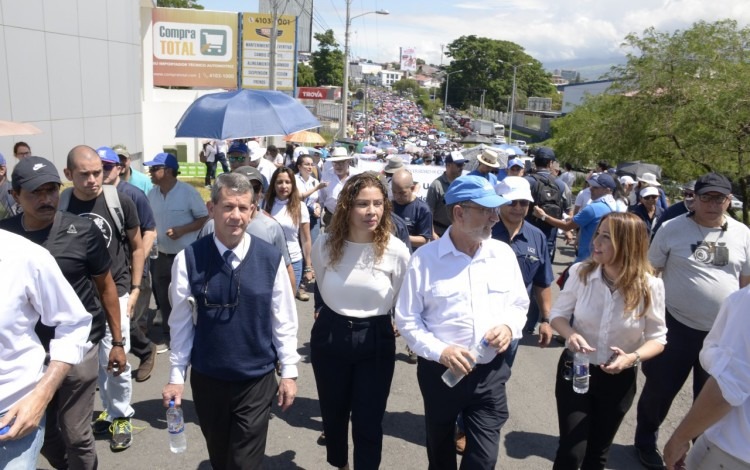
(611, 359)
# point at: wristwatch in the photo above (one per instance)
(119, 343)
(544, 320)
(637, 361)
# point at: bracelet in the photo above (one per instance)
(544, 320)
(307, 270)
(135, 287)
(118, 343)
(544, 217)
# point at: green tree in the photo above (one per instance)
(407, 85)
(179, 4)
(487, 64)
(328, 61)
(305, 75)
(679, 101)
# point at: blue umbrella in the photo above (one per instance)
(244, 113)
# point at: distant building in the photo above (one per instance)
(389, 77)
(570, 75)
(358, 70)
(539, 104)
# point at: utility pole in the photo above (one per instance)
(275, 4)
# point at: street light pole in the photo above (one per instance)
(513, 98)
(447, 82)
(345, 87)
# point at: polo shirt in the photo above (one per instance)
(530, 247)
(140, 180)
(587, 219)
(180, 206)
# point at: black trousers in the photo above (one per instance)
(480, 397)
(234, 418)
(162, 278)
(353, 361)
(665, 376)
(588, 422)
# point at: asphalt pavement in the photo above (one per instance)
(528, 440)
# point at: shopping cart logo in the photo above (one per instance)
(213, 42)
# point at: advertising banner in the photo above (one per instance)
(423, 175)
(408, 59)
(194, 48)
(256, 47)
(318, 93)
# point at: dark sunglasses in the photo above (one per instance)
(154, 169)
(519, 202)
(109, 166)
(236, 158)
(649, 197)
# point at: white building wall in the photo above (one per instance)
(73, 69)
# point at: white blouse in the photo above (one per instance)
(291, 231)
(357, 286)
(305, 186)
(599, 315)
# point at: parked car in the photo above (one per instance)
(736, 203)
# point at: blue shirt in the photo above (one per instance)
(587, 220)
(417, 216)
(530, 247)
(489, 176)
(140, 181)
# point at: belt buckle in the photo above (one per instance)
(350, 324)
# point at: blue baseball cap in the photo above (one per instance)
(475, 189)
(602, 180)
(108, 155)
(238, 147)
(516, 162)
(163, 159)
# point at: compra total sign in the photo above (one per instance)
(203, 42)
(194, 48)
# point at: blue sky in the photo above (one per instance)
(553, 31)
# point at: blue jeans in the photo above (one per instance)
(297, 268)
(22, 454)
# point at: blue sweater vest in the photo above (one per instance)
(234, 329)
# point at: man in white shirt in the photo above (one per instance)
(34, 289)
(329, 195)
(214, 304)
(459, 290)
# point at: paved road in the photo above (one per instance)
(529, 438)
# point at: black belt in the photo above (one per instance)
(355, 323)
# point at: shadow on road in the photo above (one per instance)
(522, 444)
(285, 460)
(405, 425)
(300, 414)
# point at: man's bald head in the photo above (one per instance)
(80, 153)
(402, 187)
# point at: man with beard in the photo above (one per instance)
(460, 290)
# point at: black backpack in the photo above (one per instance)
(547, 195)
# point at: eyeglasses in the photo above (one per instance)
(154, 169)
(109, 166)
(720, 199)
(24, 154)
(235, 276)
(519, 202)
(688, 195)
(486, 211)
(650, 198)
(236, 158)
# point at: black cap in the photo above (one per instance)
(32, 172)
(713, 183)
(543, 156)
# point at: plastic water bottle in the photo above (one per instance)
(581, 373)
(154, 253)
(176, 428)
(479, 350)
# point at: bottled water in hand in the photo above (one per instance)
(479, 350)
(581, 373)
(176, 428)
(154, 253)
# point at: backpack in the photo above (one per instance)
(547, 195)
(112, 199)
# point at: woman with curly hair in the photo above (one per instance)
(359, 267)
(617, 310)
(282, 201)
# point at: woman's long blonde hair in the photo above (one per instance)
(338, 232)
(630, 243)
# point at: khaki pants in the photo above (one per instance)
(705, 455)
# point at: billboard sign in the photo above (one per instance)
(408, 59)
(256, 47)
(194, 48)
(318, 93)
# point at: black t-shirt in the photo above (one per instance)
(119, 249)
(79, 250)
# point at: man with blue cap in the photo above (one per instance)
(459, 291)
(180, 213)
